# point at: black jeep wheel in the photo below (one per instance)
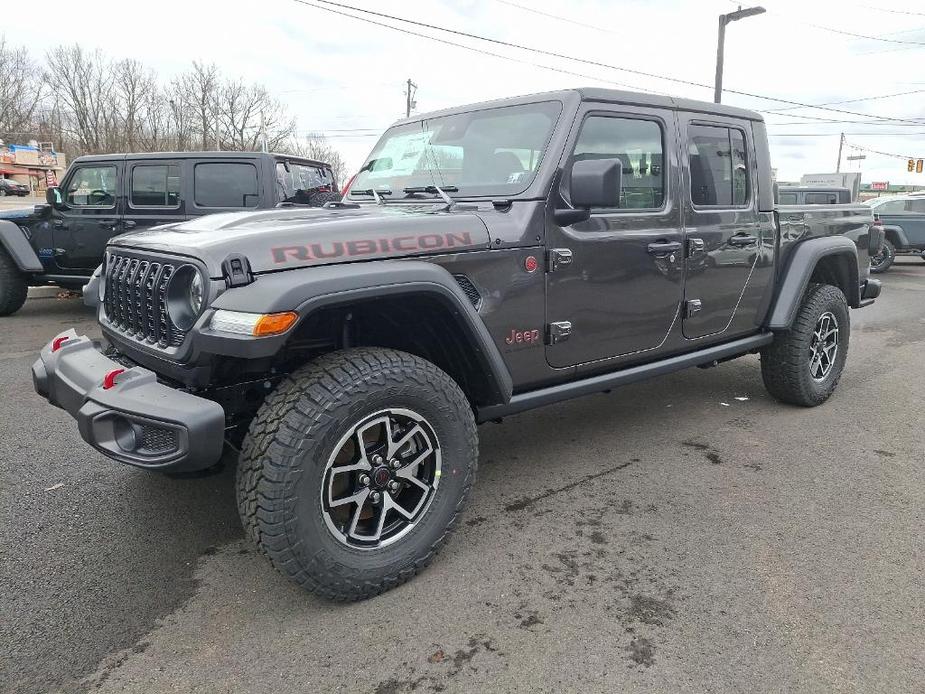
(14, 286)
(884, 259)
(355, 470)
(802, 366)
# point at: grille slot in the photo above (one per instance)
(136, 300)
(469, 290)
(155, 439)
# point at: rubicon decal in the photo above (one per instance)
(357, 248)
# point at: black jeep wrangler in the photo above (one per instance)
(487, 260)
(102, 196)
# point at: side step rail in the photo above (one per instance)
(596, 384)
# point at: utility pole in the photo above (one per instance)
(410, 103)
(218, 145)
(724, 19)
(841, 143)
(263, 131)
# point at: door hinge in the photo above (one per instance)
(557, 257)
(558, 332)
(692, 306)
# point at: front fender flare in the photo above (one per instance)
(15, 243)
(309, 289)
(795, 278)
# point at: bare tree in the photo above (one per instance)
(196, 93)
(316, 146)
(21, 90)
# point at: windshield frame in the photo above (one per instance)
(535, 187)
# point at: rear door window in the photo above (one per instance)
(788, 198)
(890, 207)
(225, 184)
(917, 206)
(718, 161)
(156, 185)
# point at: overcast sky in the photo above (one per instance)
(339, 75)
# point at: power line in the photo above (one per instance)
(891, 11)
(877, 151)
(463, 46)
(850, 101)
(847, 133)
(555, 16)
(832, 30)
(540, 51)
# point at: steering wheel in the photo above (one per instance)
(100, 194)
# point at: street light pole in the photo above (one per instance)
(724, 19)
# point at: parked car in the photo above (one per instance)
(903, 220)
(10, 187)
(813, 195)
(489, 259)
(62, 242)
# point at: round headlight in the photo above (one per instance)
(185, 297)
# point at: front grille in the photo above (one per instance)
(136, 300)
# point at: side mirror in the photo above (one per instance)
(53, 197)
(594, 183)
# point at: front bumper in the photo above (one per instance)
(136, 420)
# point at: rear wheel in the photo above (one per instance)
(14, 285)
(884, 259)
(803, 365)
(355, 470)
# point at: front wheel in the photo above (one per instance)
(355, 470)
(14, 285)
(884, 258)
(803, 365)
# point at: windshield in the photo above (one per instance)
(491, 152)
(298, 182)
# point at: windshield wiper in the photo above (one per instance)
(377, 194)
(435, 190)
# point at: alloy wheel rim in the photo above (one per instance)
(823, 347)
(381, 479)
(880, 258)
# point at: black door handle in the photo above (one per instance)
(59, 224)
(107, 224)
(664, 247)
(742, 240)
(129, 223)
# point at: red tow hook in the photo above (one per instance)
(57, 342)
(109, 380)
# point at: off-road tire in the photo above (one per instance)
(883, 260)
(282, 467)
(319, 199)
(785, 363)
(14, 286)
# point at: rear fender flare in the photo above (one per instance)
(803, 262)
(895, 235)
(16, 244)
(311, 289)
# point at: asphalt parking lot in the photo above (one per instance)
(685, 534)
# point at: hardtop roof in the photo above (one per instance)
(595, 94)
(198, 155)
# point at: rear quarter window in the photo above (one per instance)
(225, 184)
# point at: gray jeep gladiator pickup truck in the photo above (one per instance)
(486, 260)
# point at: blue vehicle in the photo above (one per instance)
(903, 220)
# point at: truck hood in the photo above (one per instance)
(20, 214)
(281, 239)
